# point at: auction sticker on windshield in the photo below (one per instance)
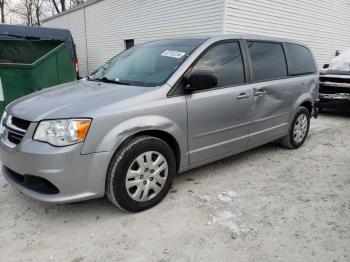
(174, 54)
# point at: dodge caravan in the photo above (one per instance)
(156, 110)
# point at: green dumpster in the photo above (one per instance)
(30, 65)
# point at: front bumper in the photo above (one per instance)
(334, 90)
(76, 176)
(335, 101)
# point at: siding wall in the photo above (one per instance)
(109, 22)
(322, 24)
(75, 23)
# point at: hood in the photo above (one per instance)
(74, 99)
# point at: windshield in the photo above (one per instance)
(150, 64)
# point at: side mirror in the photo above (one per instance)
(201, 80)
(325, 66)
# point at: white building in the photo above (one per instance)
(103, 28)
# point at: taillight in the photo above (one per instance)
(76, 65)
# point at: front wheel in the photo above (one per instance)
(298, 130)
(140, 174)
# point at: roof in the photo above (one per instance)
(255, 37)
(222, 37)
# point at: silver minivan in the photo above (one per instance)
(156, 110)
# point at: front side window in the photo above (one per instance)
(150, 64)
(225, 61)
(301, 60)
(268, 61)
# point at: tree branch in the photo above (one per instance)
(56, 7)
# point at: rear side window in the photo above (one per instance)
(301, 60)
(268, 60)
(225, 61)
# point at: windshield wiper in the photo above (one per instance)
(107, 80)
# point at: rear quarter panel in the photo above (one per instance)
(309, 85)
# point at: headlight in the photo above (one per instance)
(62, 132)
(2, 123)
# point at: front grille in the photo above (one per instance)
(34, 183)
(325, 89)
(16, 129)
(14, 137)
(20, 123)
(335, 79)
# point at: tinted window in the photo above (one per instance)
(225, 61)
(302, 61)
(268, 61)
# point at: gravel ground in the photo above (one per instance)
(268, 204)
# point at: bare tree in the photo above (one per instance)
(62, 5)
(29, 10)
(56, 6)
(2, 10)
(38, 4)
(59, 7)
(74, 3)
(24, 9)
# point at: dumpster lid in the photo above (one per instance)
(37, 33)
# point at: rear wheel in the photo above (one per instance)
(140, 174)
(298, 130)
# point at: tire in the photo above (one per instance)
(291, 140)
(130, 175)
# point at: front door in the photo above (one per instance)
(219, 118)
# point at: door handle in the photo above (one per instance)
(260, 93)
(243, 96)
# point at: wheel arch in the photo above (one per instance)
(161, 134)
(114, 136)
(304, 100)
(308, 104)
